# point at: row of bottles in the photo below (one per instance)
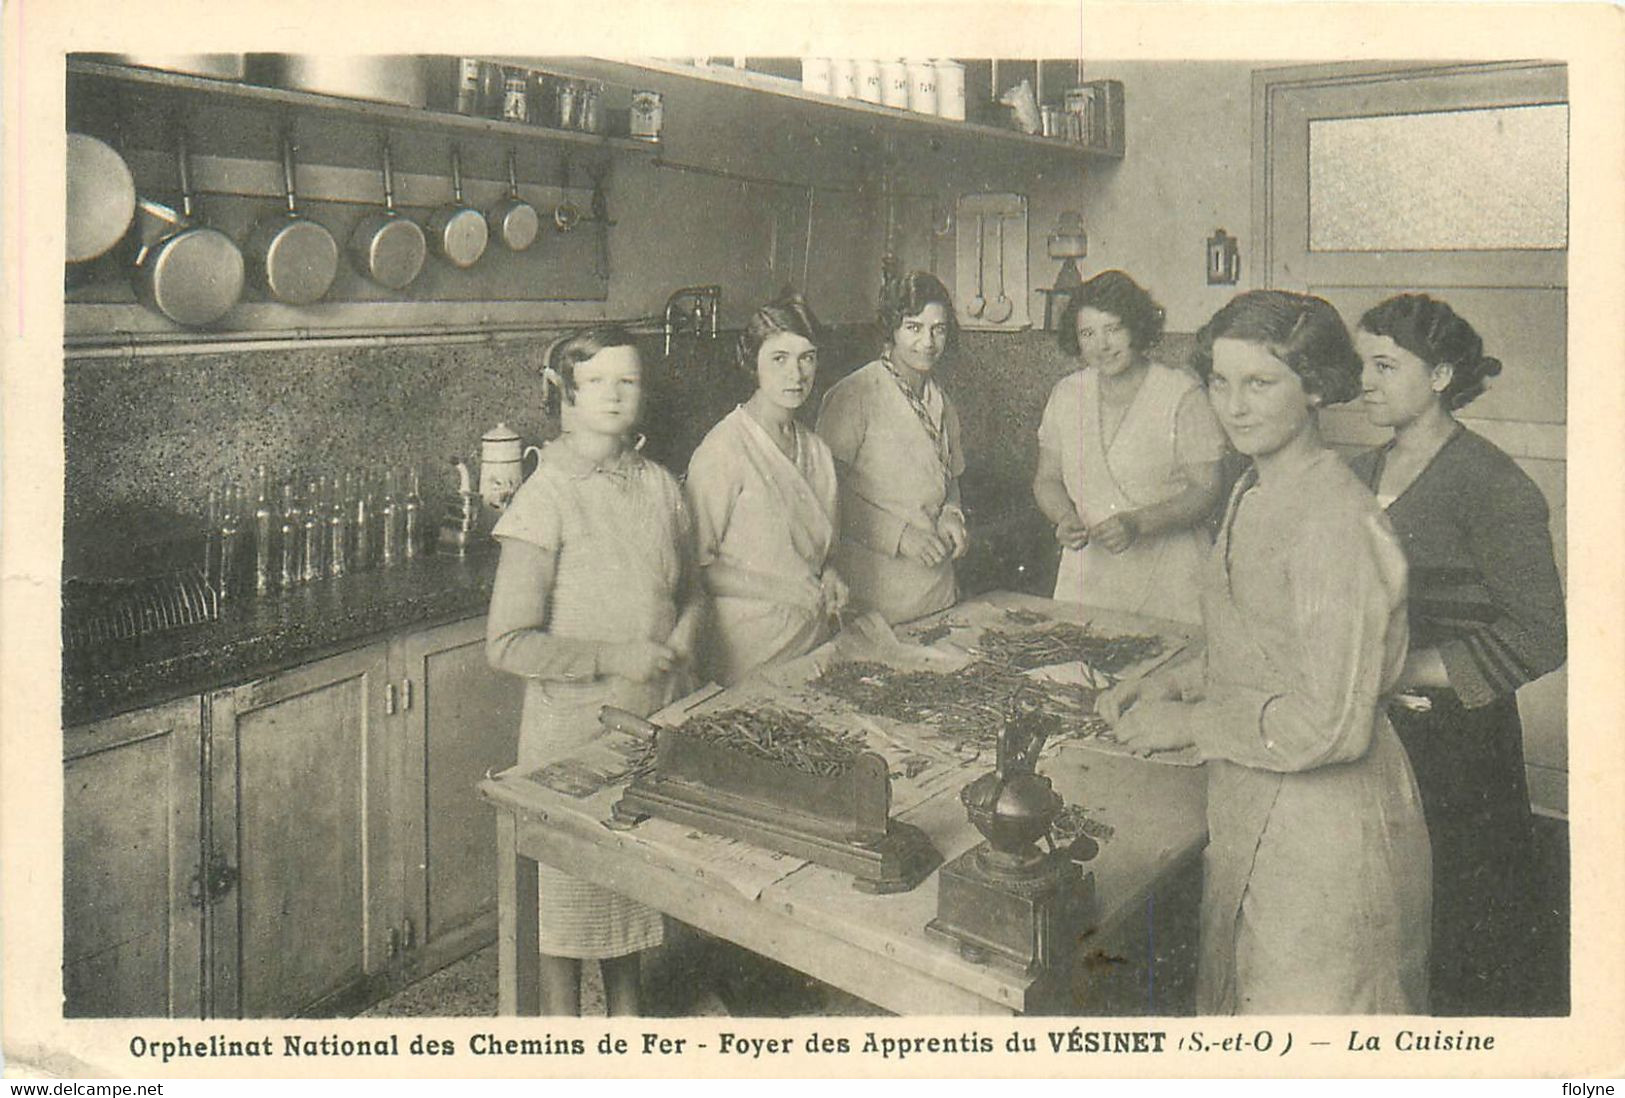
(274, 536)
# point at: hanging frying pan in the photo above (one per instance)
(297, 258)
(386, 247)
(458, 230)
(101, 198)
(194, 274)
(514, 221)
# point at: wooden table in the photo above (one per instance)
(872, 946)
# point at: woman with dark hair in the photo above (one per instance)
(1128, 459)
(592, 606)
(1315, 890)
(1486, 616)
(895, 438)
(762, 491)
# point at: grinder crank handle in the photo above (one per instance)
(621, 720)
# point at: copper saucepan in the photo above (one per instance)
(297, 257)
(193, 274)
(386, 247)
(458, 230)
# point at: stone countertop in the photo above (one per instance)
(259, 636)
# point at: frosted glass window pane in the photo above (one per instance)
(1443, 181)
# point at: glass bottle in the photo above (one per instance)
(289, 532)
(315, 527)
(411, 523)
(262, 533)
(338, 526)
(389, 522)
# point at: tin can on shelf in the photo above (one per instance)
(648, 116)
(467, 96)
(516, 96)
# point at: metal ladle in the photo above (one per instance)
(1001, 308)
(978, 304)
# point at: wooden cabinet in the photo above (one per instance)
(132, 899)
(296, 845)
(460, 723)
(299, 780)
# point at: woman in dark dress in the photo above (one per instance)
(1486, 616)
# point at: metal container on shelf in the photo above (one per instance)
(385, 78)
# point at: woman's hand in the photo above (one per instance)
(1111, 704)
(951, 529)
(922, 547)
(1116, 533)
(638, 661)
(1155, 726)
(1072, 532)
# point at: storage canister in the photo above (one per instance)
(950, 89)
(815, 75)
(922, 87)
(842, 80)
(894, 84)
(866, 77)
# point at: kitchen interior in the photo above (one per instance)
(279, 458)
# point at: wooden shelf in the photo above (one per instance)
(388, 114)
(636, 72)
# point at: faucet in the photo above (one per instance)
(689, 309)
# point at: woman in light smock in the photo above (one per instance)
(1128, 459)
(895, 438)
(1486, 613)
(761, 488)
(1315, 892)
(591, 606)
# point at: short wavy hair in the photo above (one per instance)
(1303, 331)
(1434, 333)
(907, 295)
(579, 346)
(789, 312)
(1116, 293)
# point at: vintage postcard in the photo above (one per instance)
(993, 402)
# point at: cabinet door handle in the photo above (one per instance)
(406, 693)
(389, 699)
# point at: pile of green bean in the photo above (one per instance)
(1064, 642)
(970, 704)
(783, 736)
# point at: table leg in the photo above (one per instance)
(518, 956)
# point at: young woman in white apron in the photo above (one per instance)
(1128, 459)
(761, 488)
(895, 438)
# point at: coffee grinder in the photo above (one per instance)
(1006, 901)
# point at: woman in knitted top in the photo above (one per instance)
(1486, 616)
